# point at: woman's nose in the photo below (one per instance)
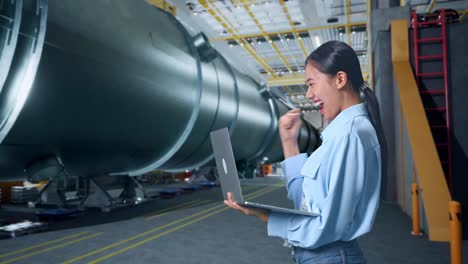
(309, 94)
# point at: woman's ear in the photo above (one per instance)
(341, 79)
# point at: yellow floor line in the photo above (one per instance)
(248, 188)
(139, 235)
(249, 196)
(42, 244)
(50, 248)
(170, 208)
(183, 207)
(174, 229)
(120, 251)
(267, 190)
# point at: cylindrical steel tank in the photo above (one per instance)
(122, 88)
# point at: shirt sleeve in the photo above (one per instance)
(345, 176)
(292, 170)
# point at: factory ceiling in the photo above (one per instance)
(274, 37)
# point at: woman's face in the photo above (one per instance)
(323, 90)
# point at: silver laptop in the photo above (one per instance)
(229, 178)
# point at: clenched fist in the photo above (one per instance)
(289, 127)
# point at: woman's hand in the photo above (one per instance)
(289, 127)
(259, 213)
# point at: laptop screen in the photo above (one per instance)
(226, 164)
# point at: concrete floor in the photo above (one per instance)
(198, 228)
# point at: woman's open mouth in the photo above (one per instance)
(318, 104)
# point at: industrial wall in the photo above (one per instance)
(400, 171)
(383, 83)
(458, 64)
(400, 164)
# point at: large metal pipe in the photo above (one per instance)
(122, 88)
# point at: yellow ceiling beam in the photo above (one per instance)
(164, 5)
(431, 6)
(348, 21)
(265, 35)
(292, 79)
(292, 57)
(245, 44)
(463, 14)
(293, 27)
(289, 31)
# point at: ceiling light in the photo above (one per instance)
(354, 32)
(317, 41)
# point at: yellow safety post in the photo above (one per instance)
(416, 228)
(455, 232)
(267, 169)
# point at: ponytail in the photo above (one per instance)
(373, 110)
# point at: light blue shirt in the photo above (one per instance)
(340, 181)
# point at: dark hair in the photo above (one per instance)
(334, 56)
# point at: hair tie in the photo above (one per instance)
(363, 87)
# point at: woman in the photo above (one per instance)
(341, 179)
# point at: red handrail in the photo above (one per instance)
(439, 21)
(447, 100)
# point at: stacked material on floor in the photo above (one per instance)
(21, 228)
(23, 194)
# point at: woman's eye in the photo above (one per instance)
(308, 85)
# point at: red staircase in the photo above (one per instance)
(435, 99)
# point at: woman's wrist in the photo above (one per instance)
(290, 148)
(264, 216)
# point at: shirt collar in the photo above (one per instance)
(342, 118)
